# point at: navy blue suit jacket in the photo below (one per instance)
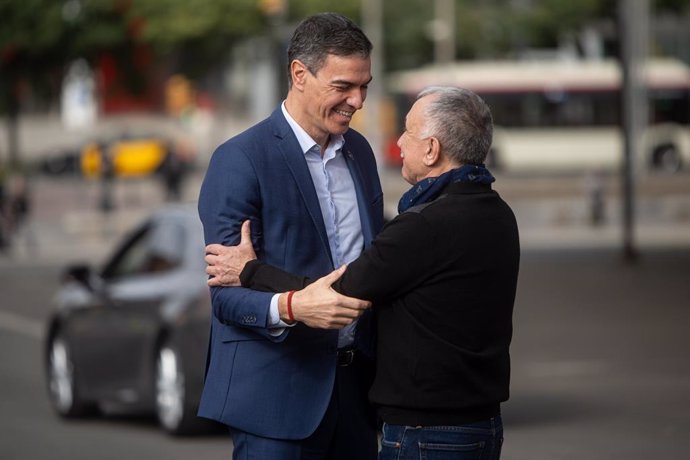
(275, 386)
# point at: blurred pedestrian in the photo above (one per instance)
(4, 224)
(19, 203)
(442, 277)
(15, 203)
(291, 390)
(595, 189)
(176, 166)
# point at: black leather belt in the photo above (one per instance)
(346, 356)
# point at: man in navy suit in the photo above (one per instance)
(294, 387)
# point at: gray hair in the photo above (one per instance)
(461, 121)
(323, 34)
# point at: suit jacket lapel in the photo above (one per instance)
(292, 153)
(362, 201)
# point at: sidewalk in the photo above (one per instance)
(66, 224)
(558, 217)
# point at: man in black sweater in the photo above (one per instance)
(442, 277)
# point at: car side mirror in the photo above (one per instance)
(84, 275)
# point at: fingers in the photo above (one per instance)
(214, 249)
(212, 270)
(331, 322)
(223, 281)
(337, 319)
(353, 303)
(342, 300)
(333, 276)
(210, 259)
(246, 233)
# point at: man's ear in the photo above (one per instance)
(433, 153)
(298, 71)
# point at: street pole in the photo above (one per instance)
(444, 31)
(270, 84)
(633, 16)
(372, 24)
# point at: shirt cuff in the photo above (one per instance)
(276, 326)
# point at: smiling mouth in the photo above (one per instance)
(344, 113)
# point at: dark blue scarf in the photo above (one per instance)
(430, 188)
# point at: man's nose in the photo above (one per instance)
(356, 98)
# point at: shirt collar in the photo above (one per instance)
(305, 141)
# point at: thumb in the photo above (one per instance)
(246, 233)
(334, 276)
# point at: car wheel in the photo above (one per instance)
(62, 387)
(175, 412)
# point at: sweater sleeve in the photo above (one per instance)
(399, 259)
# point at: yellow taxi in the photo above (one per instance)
(127, 157)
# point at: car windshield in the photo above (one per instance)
(156, 248)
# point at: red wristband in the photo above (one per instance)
(289, 306)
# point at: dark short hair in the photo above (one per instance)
(324, 34)
(461, 121)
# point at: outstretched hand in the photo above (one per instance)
(225, 263)
(320, 306)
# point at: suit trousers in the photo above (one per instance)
(347, 431)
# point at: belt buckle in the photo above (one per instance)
(345, 357)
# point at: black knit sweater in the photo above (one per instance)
(442, 277)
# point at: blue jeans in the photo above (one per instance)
(476, 441)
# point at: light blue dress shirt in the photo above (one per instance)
(335, 190)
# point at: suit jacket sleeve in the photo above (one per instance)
(399, 259)
(229, 195)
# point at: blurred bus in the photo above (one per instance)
(562, 115)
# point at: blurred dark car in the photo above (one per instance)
(131, 337)
(60, 162)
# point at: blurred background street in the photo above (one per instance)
(553, 210)
(109, 112)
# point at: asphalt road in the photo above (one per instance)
(600, 367)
